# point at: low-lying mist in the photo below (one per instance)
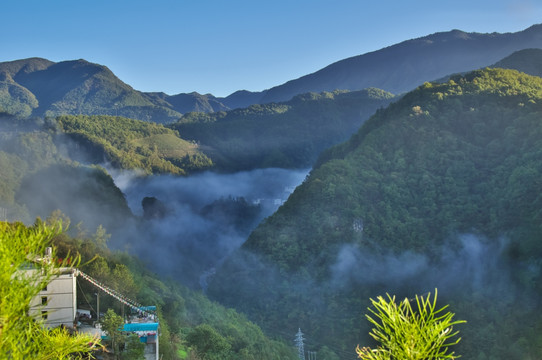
(189, 225)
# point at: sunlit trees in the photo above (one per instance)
(112, 325)
(209, 344)
(22, 335)
(408, 333)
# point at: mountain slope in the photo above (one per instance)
(441, 189)
(404, 66)
(40, 87)
(14, 98)
(79, 87)
(195, 102)
(528, 61)
(130, 144)
(288, 135)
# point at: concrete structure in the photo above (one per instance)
(57, 302)
(148, 334)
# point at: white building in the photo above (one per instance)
(57, 302)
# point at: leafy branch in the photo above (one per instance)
(404, 332)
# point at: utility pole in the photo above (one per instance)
(299, 343)
(98, 306)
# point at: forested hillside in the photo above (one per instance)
(22, 154)
(528, 61)
(439, 190)
(287, 135)
(39, 87)
(132, 144)
(40, 175)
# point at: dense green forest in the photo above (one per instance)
(37, 178)
(440, 189)
(39, 87)
(287, 135)
(21, 155)
(133, 144)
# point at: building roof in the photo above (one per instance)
(140, 327)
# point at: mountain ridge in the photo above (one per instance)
(378, 68)
(396, 68)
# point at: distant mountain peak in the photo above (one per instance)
(406, 65)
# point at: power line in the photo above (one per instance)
(115, 294)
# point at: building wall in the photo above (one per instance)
(58, 302)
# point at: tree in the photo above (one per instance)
(22, 334)
(208, 342)
(112, 325)
(404, 333)
(135, 349)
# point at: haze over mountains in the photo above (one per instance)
(39, 87)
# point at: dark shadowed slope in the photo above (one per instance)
(287, 135)
(528, 61)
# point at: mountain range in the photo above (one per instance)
(404, 66)
(39, 87)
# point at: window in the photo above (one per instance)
(44, 315)
(44, 300)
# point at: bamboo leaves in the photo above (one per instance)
(404, 332)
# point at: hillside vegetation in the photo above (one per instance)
(133, 144)
(287, 135)
(190, 324)
(441, 189)
(39, 87)
(21, 155)
(528, 61)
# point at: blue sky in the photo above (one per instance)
(219, 46)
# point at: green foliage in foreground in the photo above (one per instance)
(22, 335)
(408, 333)
(287, 135)
(134, 144)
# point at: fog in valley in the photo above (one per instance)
(189, 225)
